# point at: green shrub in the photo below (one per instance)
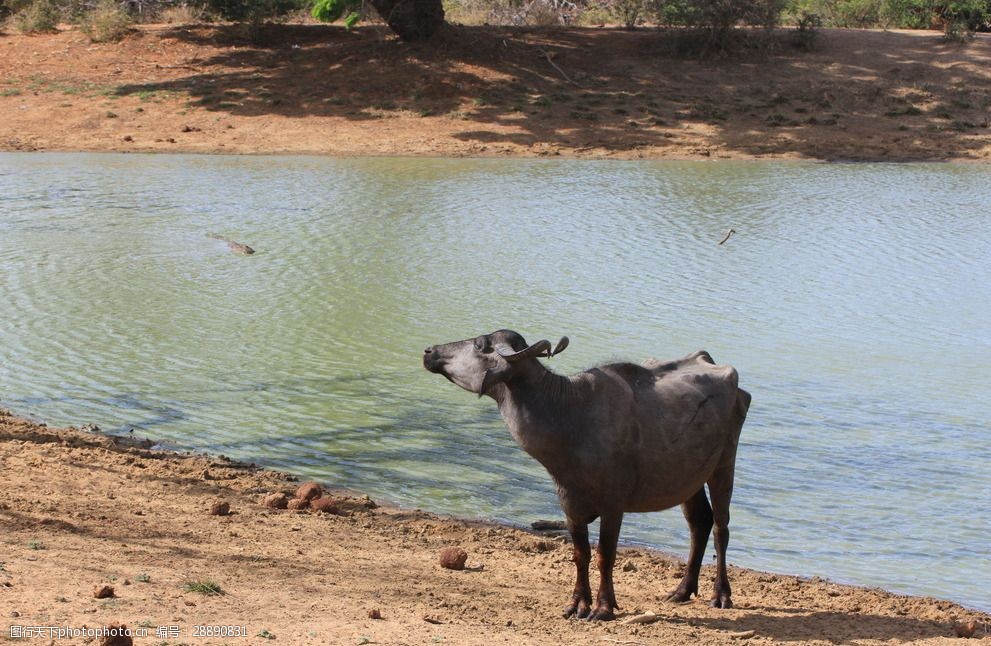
(254, 10)
(714, 20)
(107, 22)
(953, 16)
(40, 16)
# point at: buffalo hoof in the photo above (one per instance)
(578, 609)
(679, 596)
(602, 613)
(722, 601)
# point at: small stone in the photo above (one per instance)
(220, 508)
(309, 491)
(128, 138)
(296, 504)
(374, 614)
(965, 629)
(629, 566)
(276, 501)
(453, 558)
(103, 591)
(16, 614)
(111, 115)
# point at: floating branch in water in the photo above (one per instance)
(727, 236)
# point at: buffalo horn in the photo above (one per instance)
(538, 349)
(561, 345)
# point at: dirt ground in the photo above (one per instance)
(80, 510)
(494, 91)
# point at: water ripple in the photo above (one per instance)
(853, 301)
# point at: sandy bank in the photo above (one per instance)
(489, 91)
(81, 510)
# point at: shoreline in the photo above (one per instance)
(139, 520)
(489, 92)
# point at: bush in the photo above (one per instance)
(40, 16)
(807, 30)
(953, 16)
(255, 11)
(107, 22)
(182, 14)
(716, 19)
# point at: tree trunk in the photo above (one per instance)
(411, 19)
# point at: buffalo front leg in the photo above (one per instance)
(581, 599)
(605, 600)
(721, 490)
(698, 513)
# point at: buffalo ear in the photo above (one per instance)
(492, 377)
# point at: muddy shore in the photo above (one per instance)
(82, 510)
(497, 92)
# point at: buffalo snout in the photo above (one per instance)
(432, 360)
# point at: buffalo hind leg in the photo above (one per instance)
(721, 490)
(698, 513)
(581, 600)
(605, 600)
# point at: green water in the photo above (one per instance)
(853, 300)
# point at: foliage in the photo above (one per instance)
(332, 10)
(950, 15)
(253, 11)
(40, 16)
(807, 30)
(716, 19)
(107, 22)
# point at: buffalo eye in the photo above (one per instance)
(482, 344)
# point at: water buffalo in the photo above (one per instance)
(617, 438)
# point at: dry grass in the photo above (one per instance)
(183, 14)
(107, 23)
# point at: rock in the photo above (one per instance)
(103, 591)
(965, 629)
(309, 491)
(374, 614)
(327, 506)
(453, 558)
(116, 635)
(549, 525)
(743, 634)
(629, 566)
(220, 508)
(297, 505)
(648, 617)
(349, 504)
(276, 501)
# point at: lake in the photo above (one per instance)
(854, 300)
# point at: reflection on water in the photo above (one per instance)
(853, 300)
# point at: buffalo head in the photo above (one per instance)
(478, 364)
